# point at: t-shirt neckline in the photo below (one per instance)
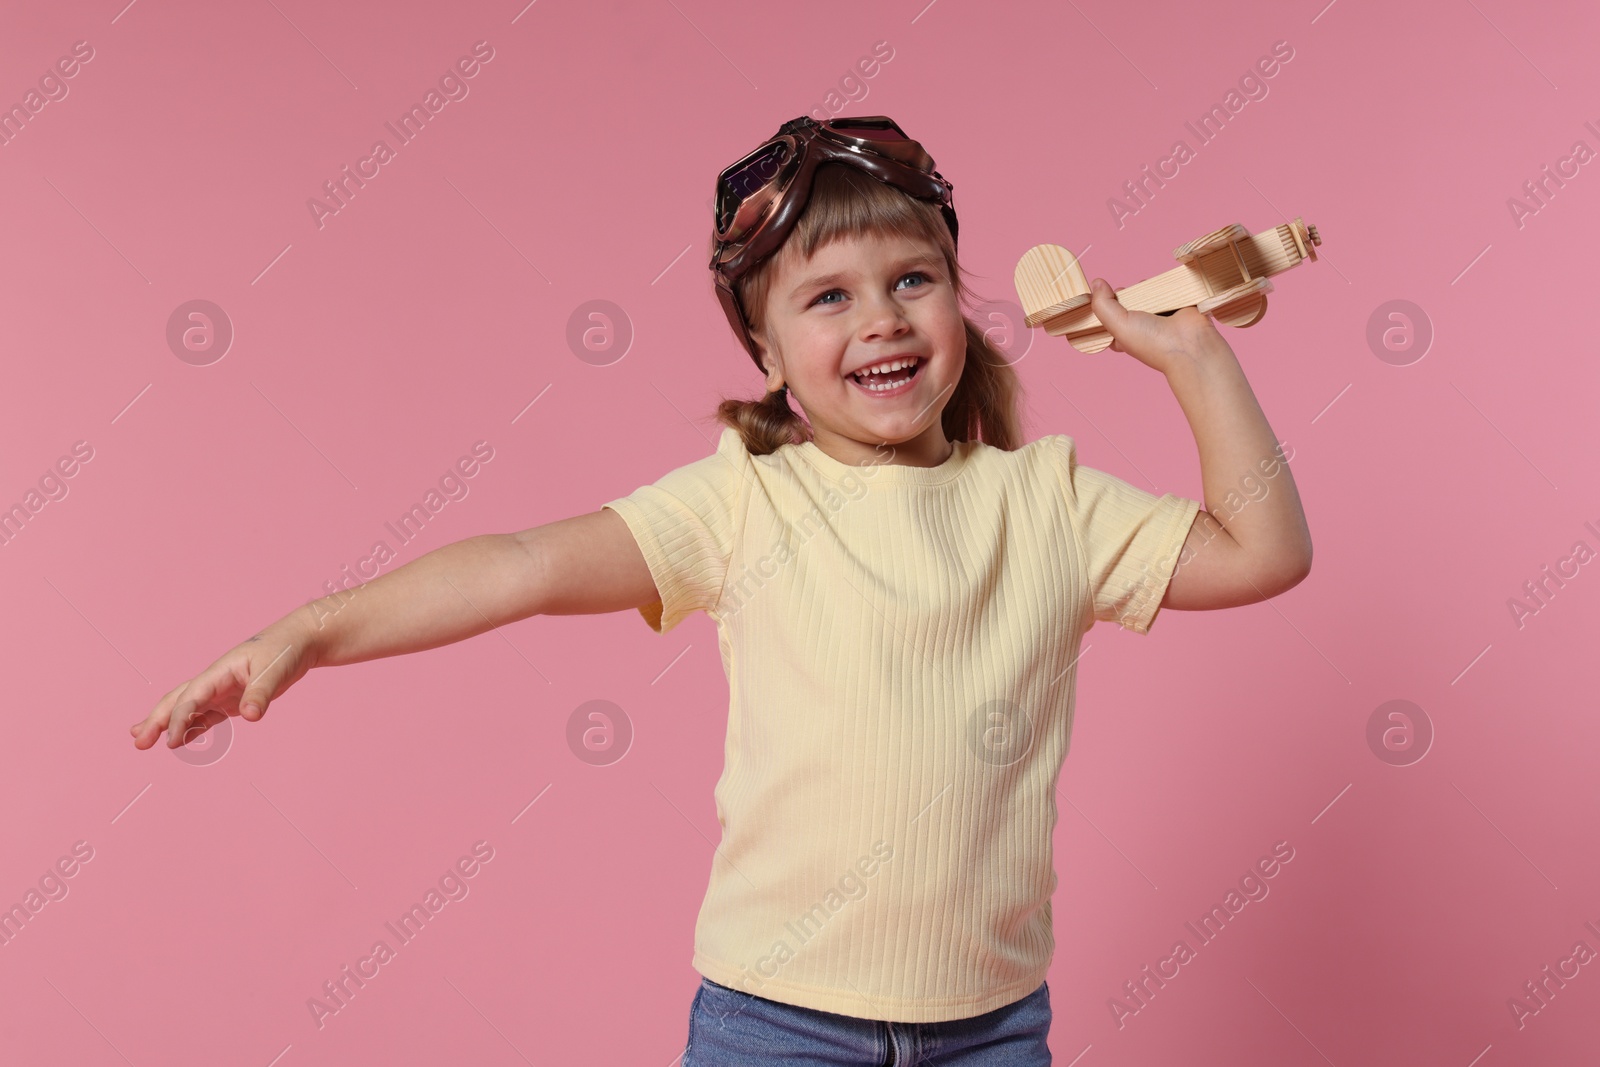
(896, 473)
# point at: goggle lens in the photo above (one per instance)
(874, 129)
(747, 177)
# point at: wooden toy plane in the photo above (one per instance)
(1223, 273)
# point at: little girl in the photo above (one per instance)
(901, 587)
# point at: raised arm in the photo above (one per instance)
(588, 564)
(1251, 542)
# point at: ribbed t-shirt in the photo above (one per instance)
(900, 644)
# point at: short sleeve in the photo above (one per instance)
(1129, 540)
(684, 526)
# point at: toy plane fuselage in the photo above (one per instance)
(1224, 273)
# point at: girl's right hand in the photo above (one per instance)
(242, 682)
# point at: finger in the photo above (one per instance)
(194, 698)
(201, 723)
(147, 729)
(1107, 308)
(1102, 289)
(260, 690)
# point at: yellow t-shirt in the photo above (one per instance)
(900, 644)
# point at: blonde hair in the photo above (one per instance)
(846, 202)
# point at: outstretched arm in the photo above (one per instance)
(588, 564)
(1251, 542)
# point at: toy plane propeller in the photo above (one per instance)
(1225, 274)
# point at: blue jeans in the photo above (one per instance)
(731, 1028)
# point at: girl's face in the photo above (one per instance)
(861, 301)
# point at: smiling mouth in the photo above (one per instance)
(893, 382)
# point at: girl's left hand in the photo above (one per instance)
(1162, 342)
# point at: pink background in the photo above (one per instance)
(369, 354)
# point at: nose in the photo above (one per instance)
(882, 318)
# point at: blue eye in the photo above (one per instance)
(912, 274)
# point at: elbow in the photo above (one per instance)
(1291, 573)
(1303, 570)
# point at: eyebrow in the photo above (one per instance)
(920, 258)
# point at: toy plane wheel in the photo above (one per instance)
(1209, 243)
(1247, 313)
(1091, 341)
(1243, 305)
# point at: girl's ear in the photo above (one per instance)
(769, 364)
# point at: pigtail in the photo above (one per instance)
(764, 425)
